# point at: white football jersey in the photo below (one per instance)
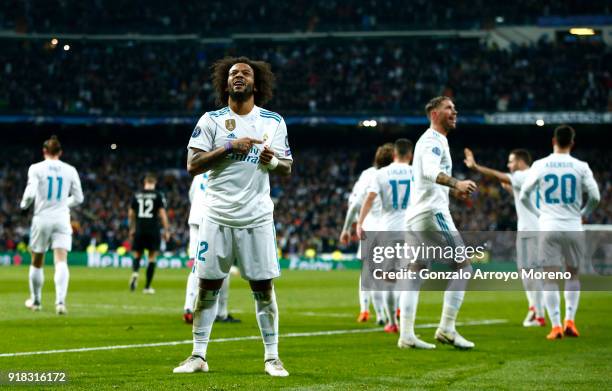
(562, 180)
(526, 219)
(196, 197)
(238, 192)
(392, 185)
(431, 157)
(358, 195)
(54, 187)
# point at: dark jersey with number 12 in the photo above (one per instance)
(146, 205)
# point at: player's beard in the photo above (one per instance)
(241, 96)
(449, 126)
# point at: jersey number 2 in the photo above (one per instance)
(202, 248)
(145, 208)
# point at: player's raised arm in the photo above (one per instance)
(470, 162)
(29, 193)
(589, 186)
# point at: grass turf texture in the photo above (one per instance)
(102, 312)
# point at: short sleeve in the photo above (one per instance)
(280, 142)
(203, 135)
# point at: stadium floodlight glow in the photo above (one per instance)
(540, 122)
(113, 146)
(66, 47)
(499, 19)
(54, 41)
(369, 123)
(582, 31)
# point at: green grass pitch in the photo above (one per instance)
(102, 312)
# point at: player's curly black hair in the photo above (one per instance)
(264, 79)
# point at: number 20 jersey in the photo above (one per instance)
(562, 180)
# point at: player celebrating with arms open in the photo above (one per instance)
(240, 145)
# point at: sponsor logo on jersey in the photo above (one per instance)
(196, 132)
(231, 136)
(230, 124)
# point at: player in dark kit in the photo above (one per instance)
(147, 208)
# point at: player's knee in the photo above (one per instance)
(206, 298)
(263, 296)
(38, 259)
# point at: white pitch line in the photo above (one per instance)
(247, 338)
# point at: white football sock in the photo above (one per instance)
(364, 298)
(379, 306)
(552, 302)
(528, 291)
(408, 305)
(572, 297)
(191, 291)
(61, 278)
(538, 298)
(453, 298)
(389, 300)
(37, 280)
(223, 298)
(203, 319)
(267, 319)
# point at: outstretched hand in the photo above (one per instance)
(469, 160)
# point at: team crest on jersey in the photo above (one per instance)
(265, 137)
(230, 124)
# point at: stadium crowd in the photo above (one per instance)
(314, 76)
(310, 205)
(220, 18)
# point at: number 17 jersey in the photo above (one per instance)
(393, 184)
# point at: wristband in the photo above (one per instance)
(228, 146)
(273, 163)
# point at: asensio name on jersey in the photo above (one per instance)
(238, 192)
